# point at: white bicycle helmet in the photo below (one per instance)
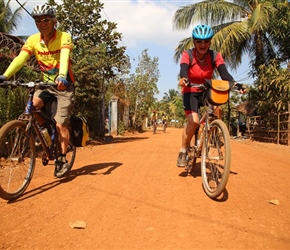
(43, 9)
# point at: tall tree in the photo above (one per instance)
(241, 28)
(280, 30)
(142, 88)
(274, 83)
(171, 103)
(96, 56)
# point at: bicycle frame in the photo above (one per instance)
(29, 116)
(18, 149)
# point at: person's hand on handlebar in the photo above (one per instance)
(61, 82)
(183, 82)
(2, 78)
(242, 88)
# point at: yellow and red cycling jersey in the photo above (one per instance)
(153, 116)
(53, 59)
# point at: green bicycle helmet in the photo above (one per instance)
(43, 9)
(202, 32)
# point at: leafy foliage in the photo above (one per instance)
(241, 27)
(274, 83)
(96, 56)
(8, 19)
(259, 29)
(142, 87)
(172, 104)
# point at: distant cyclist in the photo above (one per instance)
(164, 122)
(153, 119)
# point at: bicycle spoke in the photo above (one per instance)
(17, 160)
(216, 159)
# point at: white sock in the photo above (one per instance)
(183, 150)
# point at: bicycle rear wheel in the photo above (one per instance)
(154, 128)
(216, 159)
(17, 159)
(164, 127)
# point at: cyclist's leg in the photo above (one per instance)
(40, 98)
(189, 130)
(65, 100)
(190, 103)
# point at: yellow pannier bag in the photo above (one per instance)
(217, 92)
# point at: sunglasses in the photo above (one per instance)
(202, 41)
(44, 20)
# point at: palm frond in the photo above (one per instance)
(260, 18)
(183, 45)
(209, 12)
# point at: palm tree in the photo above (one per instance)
(241, 28)
(172, 102)
(8, 19)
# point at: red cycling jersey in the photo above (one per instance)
(197, 73)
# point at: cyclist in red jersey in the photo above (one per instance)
(200, 69)
(51, 49)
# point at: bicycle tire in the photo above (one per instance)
(16, 171)
(216, 159)
(154, 128)
(71, 155)
(164, 128)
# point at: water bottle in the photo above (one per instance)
(46, 136)
(28, 108)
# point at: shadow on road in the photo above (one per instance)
(126, 139)
(92, 168)
(85, 170)
(196, 172)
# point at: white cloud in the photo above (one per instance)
(143, 24)
(147, 21)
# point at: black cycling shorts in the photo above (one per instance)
(192, 102)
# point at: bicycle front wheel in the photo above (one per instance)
(17, 159)
(71, 154)
(216, 159)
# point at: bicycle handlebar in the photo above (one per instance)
(28, 84)
(234, 86)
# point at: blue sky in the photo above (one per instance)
(144, 24)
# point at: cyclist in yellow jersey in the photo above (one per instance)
(52, 50)
(164, 118)
(153, 117)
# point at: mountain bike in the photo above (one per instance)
(18, 143)
(211, 143)
(154, 126)
(164, 126)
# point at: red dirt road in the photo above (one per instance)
(132, 196)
